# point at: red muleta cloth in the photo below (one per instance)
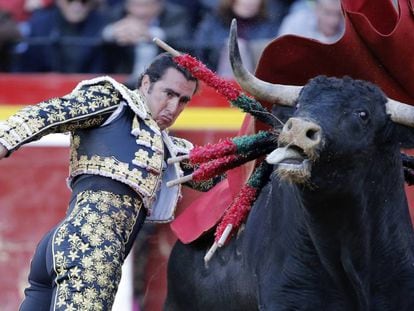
(378, 46)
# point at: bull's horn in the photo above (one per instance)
(400, 113)
(261, 90)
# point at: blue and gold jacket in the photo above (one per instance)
(112, 135)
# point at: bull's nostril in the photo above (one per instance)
(312, 134)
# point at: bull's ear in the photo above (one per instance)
(282, 113)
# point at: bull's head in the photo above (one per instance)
(326, 109)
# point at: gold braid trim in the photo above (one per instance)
(145, 185)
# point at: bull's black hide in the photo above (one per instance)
(340, 240)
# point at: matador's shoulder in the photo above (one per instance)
(109, 86)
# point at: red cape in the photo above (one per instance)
(378, 46)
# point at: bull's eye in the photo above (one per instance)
(363, 115)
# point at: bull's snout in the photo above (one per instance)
(304, 134)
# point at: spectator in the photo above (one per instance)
(278, 9)
(195, 9)
(135, 25)
(13, 16)
(321, 20)
(65, 37)
(21, 9)
(113, 3)
(9, 35)
(254, 30)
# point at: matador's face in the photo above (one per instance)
(167, 97)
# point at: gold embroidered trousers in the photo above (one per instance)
(85, 252)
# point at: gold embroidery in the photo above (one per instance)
(88, 249)
(61, 114)
(143, 180)
(153, 163)
(141, 156)
(138, 100)
(181, 143)
(145, 138)
(204, 185)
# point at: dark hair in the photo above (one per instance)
(159, 66)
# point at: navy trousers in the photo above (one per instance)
(77, 265)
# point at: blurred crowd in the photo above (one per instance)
(115, 36)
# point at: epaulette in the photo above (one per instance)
(133, 98)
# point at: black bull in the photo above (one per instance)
(331, 229)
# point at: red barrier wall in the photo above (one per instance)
(33, 196)
(22, 89)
